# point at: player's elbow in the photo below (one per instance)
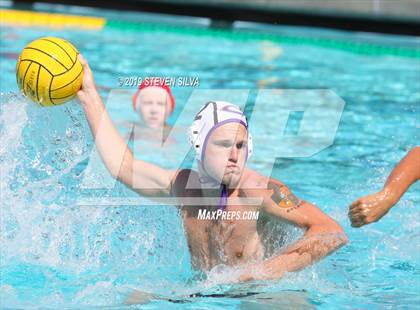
(123, 170)
(116, 173)
(334, 229)
(114, 170)
(336, 236)
(342, 239)
(340, 236)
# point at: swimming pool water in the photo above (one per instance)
(55, 252)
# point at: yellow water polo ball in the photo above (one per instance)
(49, 72)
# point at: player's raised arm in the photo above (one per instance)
(147, 179)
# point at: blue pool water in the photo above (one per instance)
(56, 252)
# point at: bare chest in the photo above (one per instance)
(221, 241)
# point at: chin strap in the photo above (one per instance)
(223, 198)
(209, 180)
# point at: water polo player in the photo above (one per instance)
(154, 102)
(222, 185)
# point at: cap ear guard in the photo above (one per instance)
(194, 139)
(250, 146)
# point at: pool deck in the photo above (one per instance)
(383, 16)
(373, 8)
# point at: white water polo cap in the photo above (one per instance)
(213, 115)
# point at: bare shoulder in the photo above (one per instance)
(253, 179)
(182, 180)
(182, 175)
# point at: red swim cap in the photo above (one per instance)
(156, 82)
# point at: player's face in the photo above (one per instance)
(226, 153)
(154, 106)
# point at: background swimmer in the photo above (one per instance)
(372, 208)
(154, 102)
